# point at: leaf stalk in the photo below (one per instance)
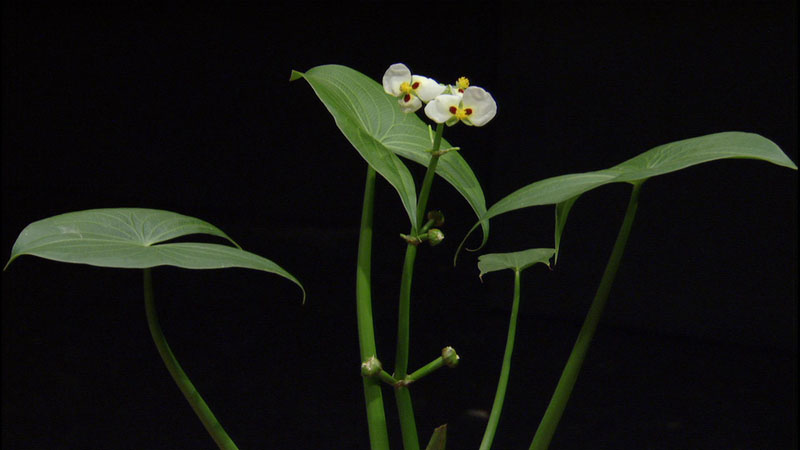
(224, 442)
(547, 427)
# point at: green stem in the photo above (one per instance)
(502, 384)
(425, 370)
(199, 406)
(547, 427)
(427, 182)
(373, 398)
(405, 409)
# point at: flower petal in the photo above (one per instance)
(483, 105)
(438, 110)
(427, 89)
(395, 75)
(410, 103)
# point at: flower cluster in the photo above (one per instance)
(443, 104)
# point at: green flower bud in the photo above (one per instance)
(435, 236)
(371, 367)
(437, 217)
(450, 357)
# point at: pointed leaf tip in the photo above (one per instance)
(438, 439)
(295, 75)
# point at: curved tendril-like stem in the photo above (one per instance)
(502, 383)
(197, 403)
(373, 398)
(547, 427)
(405, 409)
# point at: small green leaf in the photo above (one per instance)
(374, 124)
(438, 439)
(658, 161)
(132, 238)
(516, 261)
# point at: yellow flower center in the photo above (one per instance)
(408, 88)
(460, 113)
(462, 83)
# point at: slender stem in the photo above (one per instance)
(502, 384)
(199, 406)
(425, 370)
(547, 427)
(427, 182)
(373, 398)
(405, 409)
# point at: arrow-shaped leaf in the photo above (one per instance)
(374, 124)
(133, 238)
(516, 261)
(564, 190)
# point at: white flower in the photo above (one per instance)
(474, 107)
(412, 90)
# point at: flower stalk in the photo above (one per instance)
(405, 409)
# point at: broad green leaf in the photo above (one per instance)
(564, 190)
(374, 124)
(516, 261)
(132, 238)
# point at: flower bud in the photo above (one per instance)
(371, 367)
(435, 236)
(450, 357)
(437, 217)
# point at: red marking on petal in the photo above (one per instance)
(468, 111)
(407, 98)
(415, 85)
(453, 110)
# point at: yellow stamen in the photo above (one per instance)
(462, 83)
(463, 113)
(406, 88)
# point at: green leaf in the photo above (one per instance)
(374, 124)
(438, 439)
(132, 238)
(564, 190)
(516, 261)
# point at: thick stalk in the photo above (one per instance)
(197, 403)
(547, 427)
(405, 409)
(502, 384)
(373, 398)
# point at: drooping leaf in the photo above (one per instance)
(566, 189)
(374, 124)
(516, 261)
(134, 238)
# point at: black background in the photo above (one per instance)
(190, 110)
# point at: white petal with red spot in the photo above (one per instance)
(481, 103)
(442, 108)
